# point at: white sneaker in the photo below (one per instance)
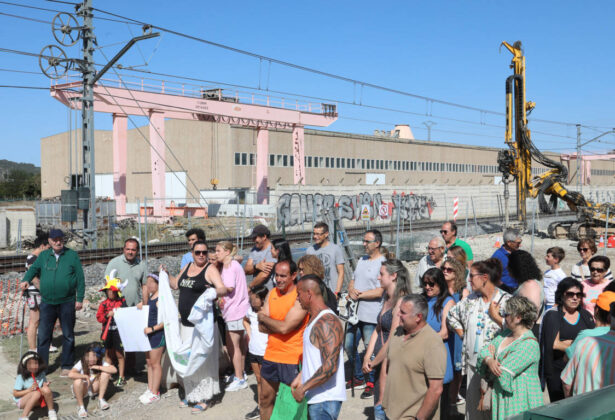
(52, 415)
(82, 412)
(236, 385)
(145, 396)
(102, 404)
(152, 399)
(53, 349)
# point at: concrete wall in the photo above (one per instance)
(28, 223)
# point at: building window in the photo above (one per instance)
(271, 160)
(309, 161)
(292, 160)
(237, 159)
(244, 159)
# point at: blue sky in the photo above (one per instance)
(447, 50)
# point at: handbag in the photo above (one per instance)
(286, 407)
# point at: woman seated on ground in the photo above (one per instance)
(510, 362)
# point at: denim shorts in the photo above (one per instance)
(326, 410)
(235, 325)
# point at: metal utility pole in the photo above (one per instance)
(88, 182)
(579, 187)
(54, 64)
(429, 124)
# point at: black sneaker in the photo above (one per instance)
(368, 392)
(358, 384)
(254, 414)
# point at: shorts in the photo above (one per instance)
(235, 325)
(114, 341)
(253, 358)
(279, 372)
(33, 298)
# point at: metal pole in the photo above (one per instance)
(237, 224)
(445, 208)
(533, 227)
(506, 198)
(606, 231)
(474, 213)
(243, 221)
(398, 217)
(19, 236)
(465, 235)
(579, 187)
(139, 222)
(313, 222)
(146, 229)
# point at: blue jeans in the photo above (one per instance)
(65, 312)
(326, 410)
(350, 345)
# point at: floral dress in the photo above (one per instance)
(517, 389)
(472, 316)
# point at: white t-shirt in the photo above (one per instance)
(79, 368)
(258, 340)
(551, 280)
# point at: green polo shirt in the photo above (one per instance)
(134, 272)
(466, 248)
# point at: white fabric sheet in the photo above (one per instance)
(131, 323)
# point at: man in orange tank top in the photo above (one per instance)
(283, 318)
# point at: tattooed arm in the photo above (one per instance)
(327, 336)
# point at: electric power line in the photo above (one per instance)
(23, 87)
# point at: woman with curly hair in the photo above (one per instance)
(523, 269)
(455, 276)
(560, 327)
(440, 303)
(511, 360)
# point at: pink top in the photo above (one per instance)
(236, 304)
(592, 291)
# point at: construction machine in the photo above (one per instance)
(549, 187)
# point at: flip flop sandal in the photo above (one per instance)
(199, 408)
(184, 403)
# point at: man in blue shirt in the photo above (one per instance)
(193, 235)
(512, 242)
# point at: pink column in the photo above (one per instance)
(156, 135)
(120, 137)
(262, 165)
(299, 155)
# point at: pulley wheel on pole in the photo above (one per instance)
(63, 25)
(53, 62)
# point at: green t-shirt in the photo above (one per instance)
(466, 248)
(590, 332)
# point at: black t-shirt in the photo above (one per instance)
(190, 288)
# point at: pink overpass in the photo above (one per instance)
(162, 100)
(586, 164)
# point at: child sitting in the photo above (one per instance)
(155, 334)
(257, 341)
(552, 277)
(90, 377)
(110, 335)
(29, 393)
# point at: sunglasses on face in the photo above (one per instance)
(444, 232)
(583, 249)
(200, 252)
(447, 270)
(428, 283)
(599, 270)
(570, 295)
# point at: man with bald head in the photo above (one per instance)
(434, 258)
(321, 381)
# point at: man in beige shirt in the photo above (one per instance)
(417, 363)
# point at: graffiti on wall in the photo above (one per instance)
(295, 209)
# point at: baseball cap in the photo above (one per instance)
(260, 230)
(56, 233)
(604, 300)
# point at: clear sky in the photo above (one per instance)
(447, 50)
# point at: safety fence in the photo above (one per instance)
(12, 308)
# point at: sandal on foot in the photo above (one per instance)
(199, 408)
(184, 403)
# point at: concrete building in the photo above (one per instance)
(203, 151)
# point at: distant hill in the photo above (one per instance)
(7, 166)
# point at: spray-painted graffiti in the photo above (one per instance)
(295, 209)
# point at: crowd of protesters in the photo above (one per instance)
(511, 331)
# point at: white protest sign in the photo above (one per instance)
(131, 323)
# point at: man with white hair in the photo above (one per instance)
(434, 258)
(512, 242)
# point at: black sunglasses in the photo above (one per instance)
(200, 252)
(573, 294)
(429, 283)
(599, 270)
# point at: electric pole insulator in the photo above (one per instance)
(66, 29)
(53, 61)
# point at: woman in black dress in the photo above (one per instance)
(560, 327)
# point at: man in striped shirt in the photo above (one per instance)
(592, 365)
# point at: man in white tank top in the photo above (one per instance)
(321, 381)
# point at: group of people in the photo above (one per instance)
(510, 329)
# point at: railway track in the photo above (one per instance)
(16, 262)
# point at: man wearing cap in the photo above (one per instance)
(130, 268)
(260, 261)
(62, 287)
(591, 366)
